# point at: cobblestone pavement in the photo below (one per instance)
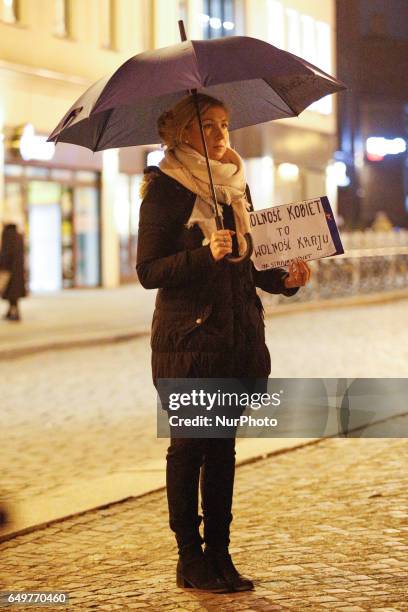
(77, 414)
(323, 527)
(354, 342)
(86, 413)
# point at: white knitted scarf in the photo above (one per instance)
(188, 167)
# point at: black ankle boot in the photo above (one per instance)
(221, 562)
(194, 571)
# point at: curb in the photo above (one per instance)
(8, 532)
(345, 302)
(270, 311)
(65, 344)
(152, 477)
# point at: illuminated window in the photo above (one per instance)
(304, 36)
(9, 11)
(323, 61)
(293, 31)
(218, 18)
(323, 41)
(61, 23)
(308, 51)
(107, 23)
(183, 11)
(276, 23)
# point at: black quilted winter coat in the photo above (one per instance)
(208, 319)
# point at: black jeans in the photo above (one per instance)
(215, 459)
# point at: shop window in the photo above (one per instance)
(58, 174)
(86, 220)
(218, 18)
(45, 239)
(84, 176)
(67, 238)
(10, 11)
(13, 170)
(62, 18)
(127, 221)
(36, 172)
(108, 23)
(61, 215)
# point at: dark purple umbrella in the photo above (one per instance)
(257, 81)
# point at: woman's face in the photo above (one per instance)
(215, 125)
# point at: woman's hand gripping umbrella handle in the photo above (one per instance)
(218, 219)
(249, 244)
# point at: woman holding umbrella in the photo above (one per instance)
(208, 320)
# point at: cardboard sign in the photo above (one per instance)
(305, 230)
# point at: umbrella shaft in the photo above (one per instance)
(218, 218)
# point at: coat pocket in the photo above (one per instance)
(180, 330)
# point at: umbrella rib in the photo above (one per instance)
(101, 131)
(284, 99)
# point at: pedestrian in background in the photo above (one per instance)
(4, 516)
(12, 262)
(208, 320)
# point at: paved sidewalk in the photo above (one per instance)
(320, 528)
(86, 317)
(77, 318)
(79, 425)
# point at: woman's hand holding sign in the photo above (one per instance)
(299, 274)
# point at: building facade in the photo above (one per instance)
(79, 209)
(373, 113)
(294, 157)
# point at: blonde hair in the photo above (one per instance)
(172, 123)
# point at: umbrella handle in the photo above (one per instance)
(244, 256)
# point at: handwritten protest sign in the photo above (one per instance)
(305, 230)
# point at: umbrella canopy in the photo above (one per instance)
(257, 81)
